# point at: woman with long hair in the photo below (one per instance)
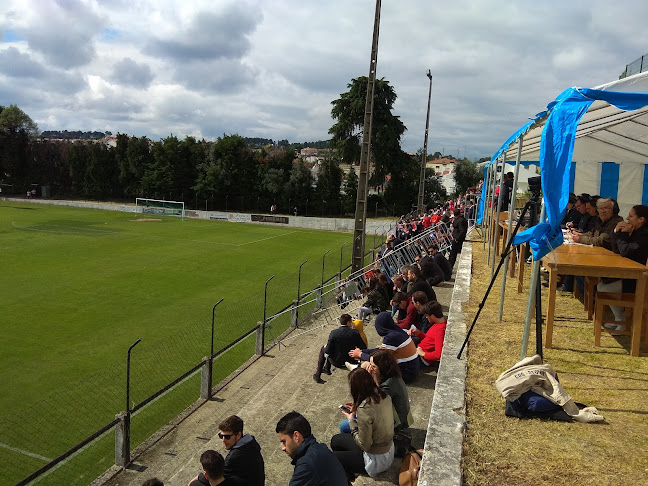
(369, 448)
(387, 375)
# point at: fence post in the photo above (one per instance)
(122, 435)
(319, 298)
(206, 378)
(259, 338)
(294, 314)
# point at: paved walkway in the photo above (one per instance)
(273, 385)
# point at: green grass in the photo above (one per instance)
(79, 286)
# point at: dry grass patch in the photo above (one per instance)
(503, 450)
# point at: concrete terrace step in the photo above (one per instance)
(273, 385)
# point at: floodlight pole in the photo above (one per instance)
(421, 207)
(363, 181)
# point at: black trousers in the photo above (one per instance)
(349, 454)
(456, 249)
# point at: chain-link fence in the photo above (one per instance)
(69, 436)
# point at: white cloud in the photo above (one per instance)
(271, 69)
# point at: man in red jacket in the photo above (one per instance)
(431, 345)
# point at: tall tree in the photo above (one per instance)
(300, 185)
(327, 191)
(387, 128)
(467, 174)
(435, 192)
(17, 129)
(350, 189)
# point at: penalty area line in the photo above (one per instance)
(27, 453)
(268, 238)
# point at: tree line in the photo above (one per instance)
(232, 173)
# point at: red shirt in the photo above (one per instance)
(432, 341)
(412, 317)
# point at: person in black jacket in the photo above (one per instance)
(442, 261)
(213, 466)
(630, 240)
(430, 270)
(336, 352)
(244, 463)
(459, 232)
(414, 275)
(315, 464)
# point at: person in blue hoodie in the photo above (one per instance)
(398, 343)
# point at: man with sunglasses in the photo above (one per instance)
(244, 463)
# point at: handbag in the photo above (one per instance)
(409, 471)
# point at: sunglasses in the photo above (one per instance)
(224, 436)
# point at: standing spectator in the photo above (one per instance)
(244, 463)
(507, 190)
(315, 464)
(459, 232)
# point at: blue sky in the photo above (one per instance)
(271, 68)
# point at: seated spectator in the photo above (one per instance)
(407, 313)
(413, 318)
(154, 482)
(630, 240)
(608, 218)
(369, 448)
(418, 284)
(340, 342)
(387, 284)
(431, 345)
(244, 463)
(572, 215)
(442, 261)
(430, 270)
(314, 463)
(387, 375)
(375, 302)
(397, 342)
(213, 468)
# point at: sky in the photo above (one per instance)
(270, 68)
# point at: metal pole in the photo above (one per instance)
(128, 410)
(342, 258)
(265, 304)
(425, 142)
(510, 222)
(363, 181)
(484, 215)
(497, 212)
(211, 353)
(532, 296)
(323, 262)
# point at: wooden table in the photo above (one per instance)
(594, 262)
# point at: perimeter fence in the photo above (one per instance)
(74, 435)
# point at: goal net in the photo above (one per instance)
(159, 206)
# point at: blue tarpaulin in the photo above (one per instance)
(556, 149)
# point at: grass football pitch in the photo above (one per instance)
(79, 286)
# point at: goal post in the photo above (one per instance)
(159, 206)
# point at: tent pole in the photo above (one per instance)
(496, 226)
(491, 189)
(532, 297)
(485, 215)
(510, 223)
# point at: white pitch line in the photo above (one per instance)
(268, 238)
(82, 230)
(27, 453)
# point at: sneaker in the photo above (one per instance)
(350, 366)
(610, 325)
(318, 379)
(618, 327)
